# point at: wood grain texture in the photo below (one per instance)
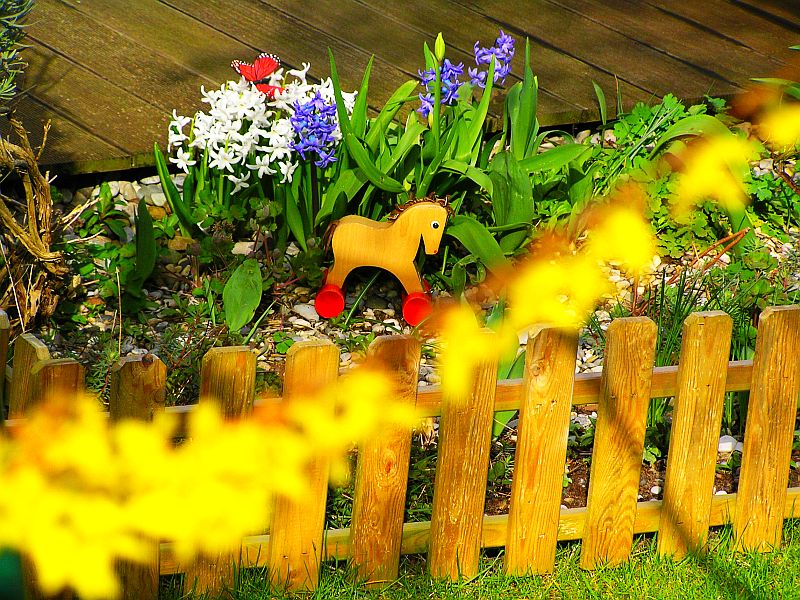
(138, 390)
(296, 544)
(541, 452)
(723, 19)
(27, 352)
(769, 434)
(696, 421)
(5, 332)
(382, 472)
(723, 58)
(416, 536)
(459, 490)
(55, 378)
(228, 377)
(618, 442)
(138, 387)
(157, 54)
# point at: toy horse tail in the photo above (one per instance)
(327, 237)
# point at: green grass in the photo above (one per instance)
(721, 574)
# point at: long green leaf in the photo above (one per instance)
(395, 102)
(694, 125)
(348, 183)
(466, 146)
(478, 241)
(359, 116)
(553, 159)
(186, 222)
(354, 146)
(470, 172)
(601, 101)
(522, 125)
(293, 217)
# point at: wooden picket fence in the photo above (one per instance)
(545, 396)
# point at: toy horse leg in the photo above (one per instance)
(410, 281)
(338, 273)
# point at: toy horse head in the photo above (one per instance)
(425, 216)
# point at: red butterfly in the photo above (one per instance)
(258, 73)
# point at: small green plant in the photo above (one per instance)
(242, 294)
(13, 14)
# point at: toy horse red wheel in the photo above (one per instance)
(391, 245)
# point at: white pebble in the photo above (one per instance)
(727, 443)
(655, 490)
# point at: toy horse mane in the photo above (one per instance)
(401, 208)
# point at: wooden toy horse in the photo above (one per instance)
(391, 245)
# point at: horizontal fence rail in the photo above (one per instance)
(458, 529)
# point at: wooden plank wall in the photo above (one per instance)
(108, 74)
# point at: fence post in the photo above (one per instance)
(47, 378)
(295, 542)
(55, 376)
(138, 390)
(459, 491)
(227, 377)
(618, 442)
(382, 472)
(771, 413)
(696, 419)
(5, 332)
(541, 451)
(27, 352)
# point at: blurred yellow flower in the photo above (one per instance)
(781, 126)
(715, 169)
(623, 236)
(79, 493)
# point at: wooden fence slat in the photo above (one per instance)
(618, 442)
(27, 352)
(138, 390)
(696, 420)
(55, 377)
(541, 451)
(227, 377)
(459, 495)
(769, 431)
(5, 332)
(382, 472)
(296, 543)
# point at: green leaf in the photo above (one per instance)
(694, 125)
(601, 101)
(470, 172)
(348, 183)
(242, 294)
(478, 241)
(473, 134)
(378, 127)
(354, 146)
(556, 158)
(513, 202)
(293, 216)
(188, 226)
(359, 116)
(523, 123)
(146, 249)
